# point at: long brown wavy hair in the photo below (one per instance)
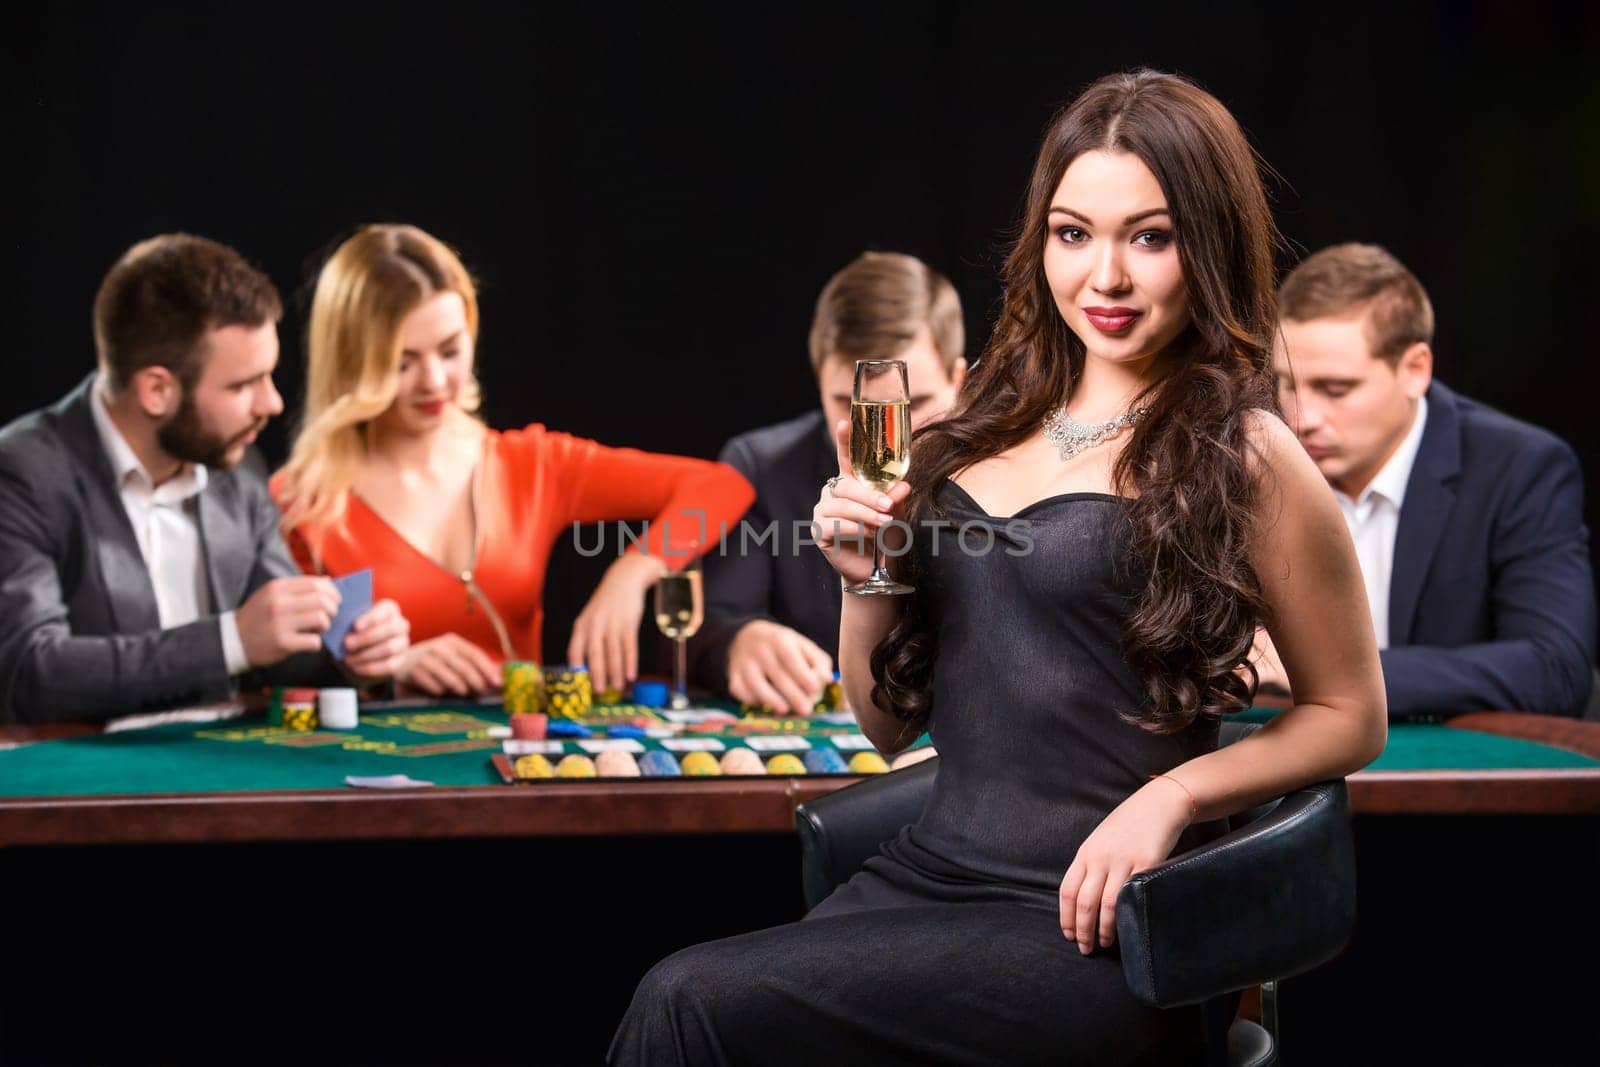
(1186, 472)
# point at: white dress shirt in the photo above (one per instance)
(166, 525)
(1374, 518)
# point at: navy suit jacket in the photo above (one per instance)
(782, 579)
(1491, 601)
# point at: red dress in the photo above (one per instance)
(533, 486)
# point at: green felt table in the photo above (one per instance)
(445, 745)
(243, 780)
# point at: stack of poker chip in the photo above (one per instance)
(299, 709)
(338, 709)
(833, 694)
(524, 687)
(568, 692)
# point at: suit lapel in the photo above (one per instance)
(827, 451)
(228, 547)
(130, 596)
(1425, 512)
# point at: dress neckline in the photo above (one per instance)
(1056, 499)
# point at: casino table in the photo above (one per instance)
(228, 861)
(240, 780)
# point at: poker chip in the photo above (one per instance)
(523, 687)
(914, 755)
(742, 761)
(616, 763)
(659, 763)
(786, 763)
(299, 717)
(575, 766)
(568, 692)
(533, 766)
(298, 709)
(529, 726)
(868, 763)
(700, 765)
(337, 709)
(651, 694)
(824, 761)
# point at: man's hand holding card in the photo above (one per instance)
(367, 638)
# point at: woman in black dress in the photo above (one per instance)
(1148, 507)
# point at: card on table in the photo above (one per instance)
(355, 600)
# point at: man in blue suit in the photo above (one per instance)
(1468, 523)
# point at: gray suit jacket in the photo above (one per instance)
(80, 637)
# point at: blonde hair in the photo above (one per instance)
(365, 290)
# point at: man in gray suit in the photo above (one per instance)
(771, 628)
(141, 564)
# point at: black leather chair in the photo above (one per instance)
(1273, 897)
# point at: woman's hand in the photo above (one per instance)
(448, 664)
(605, 637)
(1138, 834)
(849, 513)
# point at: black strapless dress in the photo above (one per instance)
(947, 947)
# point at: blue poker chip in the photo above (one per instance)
(825, 761)
(650, 694)
(567, 728)
(659, 763)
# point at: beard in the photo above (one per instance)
(185, 437)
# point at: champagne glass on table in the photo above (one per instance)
(680, 608)
(880, 449)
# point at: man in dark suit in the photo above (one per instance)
(1468, 523)
(140, 560)
(771, 633)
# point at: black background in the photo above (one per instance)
(652, 196)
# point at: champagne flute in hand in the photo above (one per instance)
(680, 608)
(880, 449)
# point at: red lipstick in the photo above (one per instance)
(430, 407)
(1112, 320)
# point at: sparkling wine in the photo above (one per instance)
(680, 605)
(880, 442)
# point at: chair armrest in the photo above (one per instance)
(841, 831)
(1265, 901)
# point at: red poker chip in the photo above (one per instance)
(529, 726)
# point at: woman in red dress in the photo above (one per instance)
(393, 470)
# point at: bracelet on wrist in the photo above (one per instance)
(1194, 807)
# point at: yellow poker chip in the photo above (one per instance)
(300, 717)
(534, 766)
(575, 766)
(868, 763)
(786, 763)
(700, 764)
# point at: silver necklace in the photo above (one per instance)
(1072, 437)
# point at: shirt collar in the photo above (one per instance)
(124, 464)
(1390, 482)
